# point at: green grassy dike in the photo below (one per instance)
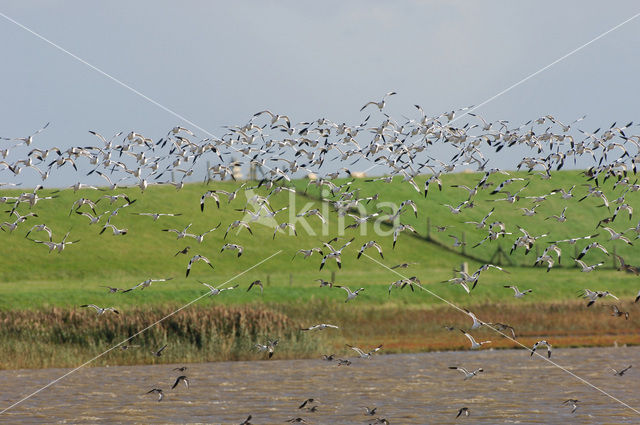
(40, 292)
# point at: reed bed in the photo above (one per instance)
(64, 338)
(67, 338)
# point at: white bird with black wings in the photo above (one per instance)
(362, 353)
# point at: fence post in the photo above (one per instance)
(464, 267)
(333, 276)
(464, 244)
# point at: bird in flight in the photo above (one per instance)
(401, 228)
(157, 391)
(362, 354)
(40, 228)
(181, 378)
(627, 267)
(467, 374)
(621, 371)
(324, 283)
(402, 266)
(156, 216)
(233, 246)
(617, 313)
(195, 259)
(540, 344)
(256, 283)
(370, 244)
(573, 402)
(586, 268)
(474, 344)
(306, 402)
(247, 421)
(593, 296)
(199, 238)
(350, 294)
(379, 104)
(315, 212)
(236, 224)
(269, 347)
(463, 411)
(307, 252)
(369, 412)
(518, 294)
(209, 194)
(588, 247)
(476, 322)
(184, 250)
(112, 290)
(28, 139)
(158, 352)
(335, 253)
(503, 327)
(319, 327)
(215, 291)
(181, 233)
(101, 310)
(146, 284)
(296, 421)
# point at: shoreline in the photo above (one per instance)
(56, 339)
(379, 354)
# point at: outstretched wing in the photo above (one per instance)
(356, 349)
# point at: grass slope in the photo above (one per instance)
(41, 292)
(33, 278)
(582, 217)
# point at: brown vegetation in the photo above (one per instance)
(65, 338)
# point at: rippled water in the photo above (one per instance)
(406, 389)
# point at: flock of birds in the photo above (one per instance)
(324, 151)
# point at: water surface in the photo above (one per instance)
(406, 389)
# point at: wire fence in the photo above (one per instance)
(500, 256)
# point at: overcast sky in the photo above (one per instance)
(217, 63)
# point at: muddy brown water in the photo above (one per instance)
(406, 389)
